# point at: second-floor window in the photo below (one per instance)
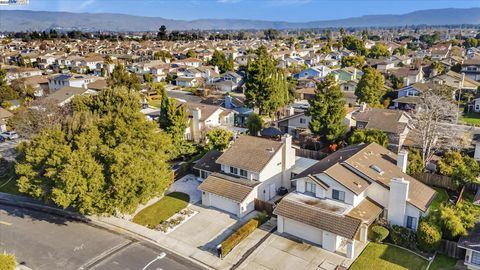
(338, 195)
(310, 187)
(302, 121)
(243, 173)
(233, 170)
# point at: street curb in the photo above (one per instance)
(14, 200)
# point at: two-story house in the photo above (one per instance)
(205, 117)
(59, 81)
(340, 197)
(313, 72)
(471, 68)
(395, 123)
(252, 168)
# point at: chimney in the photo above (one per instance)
(402, 160)
(228, 102)
(354, 73)
(363, 106)
(216, 70)
(291, 111)
(397, 201)
(196, 115)
(288, 160)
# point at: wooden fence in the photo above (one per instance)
(451, 249)
(312, 154)
(264, 206)
(436, 180)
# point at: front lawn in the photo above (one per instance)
(155, 103)
(162, 210)
(440, 198)
(384, 256)
(471, 118)
(442, 262)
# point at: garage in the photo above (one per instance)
(224, 204)
(302, 231)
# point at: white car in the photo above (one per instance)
(9, 135)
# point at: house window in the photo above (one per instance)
(233, 170)
(411, 222)
(302, 121)
(477, 107)
(243, 173)
(310, 187)
(204, 174)
(475, 258)
(338, 195)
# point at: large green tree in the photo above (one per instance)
(6, 92)
(223, 63)
(353, 61)
(462, 169)
(369, 135)
(219, 139)
(254, 124)
(266, 84)
(121, 77)
(327, 111)
(371, 87)
(106, 158)
(378, 50)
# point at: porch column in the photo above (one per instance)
(351, 249)
(364, 233)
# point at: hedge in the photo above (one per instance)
(378, 233)
(7, 262)
(429, 236)
(239, 235)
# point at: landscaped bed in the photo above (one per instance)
(162, 210)
(383, 256)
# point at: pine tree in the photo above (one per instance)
(266, 84)
(121, 77)
(327, 111)
(371, 87)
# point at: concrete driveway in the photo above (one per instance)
(279, 252)
(189, 185)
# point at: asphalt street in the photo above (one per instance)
(42, 241)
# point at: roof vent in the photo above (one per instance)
(377, 169)
(357, 184)
(270, 150)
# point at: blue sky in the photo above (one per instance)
(283, 10)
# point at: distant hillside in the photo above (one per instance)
(21, 20)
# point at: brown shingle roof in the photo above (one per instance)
(344, 226)
(383, 119)
(227, 187)
(250, 153)
(367, 211)
(208, 162)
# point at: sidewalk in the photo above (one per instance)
(196, 254)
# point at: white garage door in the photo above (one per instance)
(303, 231)
(224, 204)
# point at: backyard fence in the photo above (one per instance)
(307, 153)
(436, 180)
(264, 206)
(451, 249)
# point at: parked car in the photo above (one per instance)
(2, 139)
(9, 135)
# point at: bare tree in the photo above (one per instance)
(29, 121)
(431, 120)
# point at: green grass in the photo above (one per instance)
(389, 257)
(155, 103)
(162, 210)
(440, 198)
(442, 262)
(471, 118)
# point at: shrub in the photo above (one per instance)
(234, 239)
(403, 237)
(7, 262)
(378, 233)
(262, 217)
(429, 236)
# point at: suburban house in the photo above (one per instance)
(4, 115)
(294, 124)
(395, 123)
(62, 80)
(340, 197)
(187, 81)
(65, 94)
(471, 244)
(408, 75)
(252, 168)
(315, 72)
(408, 97)
(205, 117)
(471, 68)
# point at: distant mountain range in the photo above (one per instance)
(24, 20)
